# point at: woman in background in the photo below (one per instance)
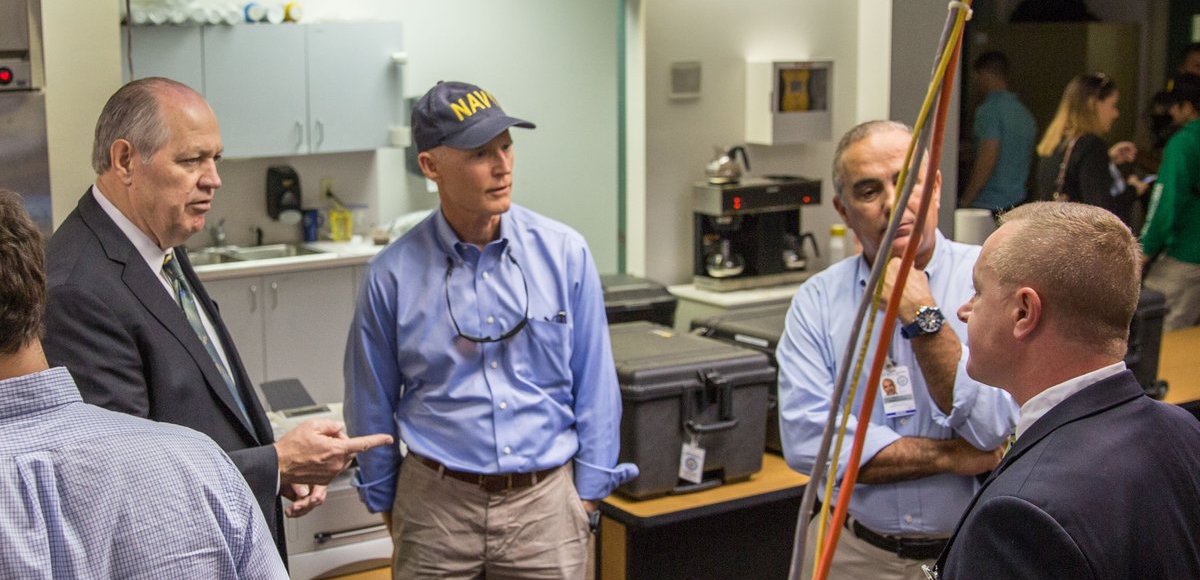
(1074, 161)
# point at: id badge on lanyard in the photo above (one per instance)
(896, 387)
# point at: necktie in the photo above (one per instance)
(188, 302)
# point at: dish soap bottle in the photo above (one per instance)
(341, 220)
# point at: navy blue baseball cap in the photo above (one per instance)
(459, 115)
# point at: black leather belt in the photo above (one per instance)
(908, 548)
(494, 483)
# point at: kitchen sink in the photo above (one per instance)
(227, 254)
(209, 256)
(272, 251)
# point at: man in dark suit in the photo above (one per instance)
(128, 317)
(1101, 482)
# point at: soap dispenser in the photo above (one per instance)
(283, 194)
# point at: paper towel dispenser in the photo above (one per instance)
(283, 194)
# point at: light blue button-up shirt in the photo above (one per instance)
(89, 493)
(540, 399)
(810, 352)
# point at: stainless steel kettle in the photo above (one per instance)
(724, 167)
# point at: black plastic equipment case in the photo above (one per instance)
(629, 298)
(759, 328)
(1145, 341)
(681, 387)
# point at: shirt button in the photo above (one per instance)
(490, 320)
(494, 364)
(507, 450)
(486, 276)
(908, 518)
(503, 404)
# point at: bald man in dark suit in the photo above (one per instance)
(128, 317)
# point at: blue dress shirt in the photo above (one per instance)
(90, 493)
(540, 399)
(812, 348)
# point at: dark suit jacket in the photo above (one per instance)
(129, 346)
(1105, 485)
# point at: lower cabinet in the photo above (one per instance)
(291, 325)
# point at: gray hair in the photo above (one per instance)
(133, 114)
(1082, 260)
(858, 133)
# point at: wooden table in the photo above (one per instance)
(1179, 365)
(736, 530)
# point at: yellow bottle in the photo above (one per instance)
(341, 224)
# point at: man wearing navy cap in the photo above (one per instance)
(480, 340)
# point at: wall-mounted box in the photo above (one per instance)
(789, 102)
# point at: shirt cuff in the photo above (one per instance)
(878, 437)
(965, 392)
(377, 495)
(594, 483)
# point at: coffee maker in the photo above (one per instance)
(747, 234)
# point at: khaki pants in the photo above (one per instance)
(446, 528)
(858, 560)
(1180, 283)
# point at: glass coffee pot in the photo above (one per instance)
(723, 263)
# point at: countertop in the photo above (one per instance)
(751, 296)
(333, 254)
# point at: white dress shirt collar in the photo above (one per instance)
(1040, 404)
(150, 252)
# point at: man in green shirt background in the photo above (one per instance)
(1171, 236)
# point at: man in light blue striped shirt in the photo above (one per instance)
(89, 493)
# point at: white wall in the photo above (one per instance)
(82, 55)
(635, 137)
(553, 63)
(680, 135)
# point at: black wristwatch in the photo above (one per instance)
(929, 320)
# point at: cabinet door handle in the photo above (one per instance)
(299, 135)
(320, 134)
(253, 297)
(274, 295)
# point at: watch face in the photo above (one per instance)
(930, 320)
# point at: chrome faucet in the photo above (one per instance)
(218, 233)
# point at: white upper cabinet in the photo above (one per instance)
(354, 90)
(281, 90)
(254, 81)
(175, 52)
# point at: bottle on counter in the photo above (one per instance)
(837, 243)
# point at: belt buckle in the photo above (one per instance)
(931, 572)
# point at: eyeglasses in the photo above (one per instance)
(483, 339)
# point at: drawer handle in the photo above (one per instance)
(322, 537)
